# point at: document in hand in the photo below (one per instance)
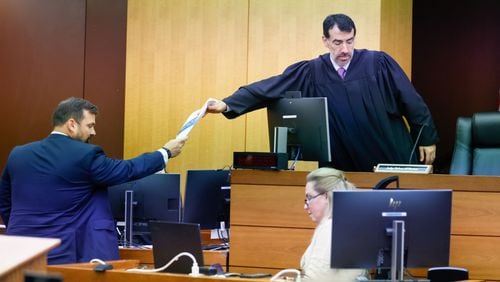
(193, 119)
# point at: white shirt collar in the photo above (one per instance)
(337, 66)
(58, 132)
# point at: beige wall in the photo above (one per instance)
(181, 52)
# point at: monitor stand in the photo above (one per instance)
(128, 217)
(281, 145)
(397, 255)
(280, 140)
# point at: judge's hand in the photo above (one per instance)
(175, 146)
(216, 106)
(427, 154)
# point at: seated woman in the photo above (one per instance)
(315, 262)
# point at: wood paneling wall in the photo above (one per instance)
(456, 63)
(395, 31)
(181, 52)
(41, 63)
(104, 77)
(52, 50)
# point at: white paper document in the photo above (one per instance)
(193, 119)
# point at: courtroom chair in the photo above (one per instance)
(477, 145)
(447, 274)
(382, 184)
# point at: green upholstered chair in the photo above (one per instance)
(477, 145)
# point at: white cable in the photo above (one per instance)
(288, 270)
(195, 270)
(96, 260)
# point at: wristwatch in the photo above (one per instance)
(169, 154)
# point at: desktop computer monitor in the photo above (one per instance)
(155, 197)
(301, 126)
(362, 222)
(207, 198)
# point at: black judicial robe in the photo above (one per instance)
(366, 108)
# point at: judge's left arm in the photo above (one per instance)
(413, 107)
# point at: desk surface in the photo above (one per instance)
(84, 272)
(20, 253)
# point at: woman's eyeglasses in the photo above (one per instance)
(309, 198)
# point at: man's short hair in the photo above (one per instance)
(343, 22)
(72, 108)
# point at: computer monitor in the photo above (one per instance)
(299, 127)
(362, 227)
(155, 197)
(207, 198)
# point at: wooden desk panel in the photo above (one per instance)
(481, 255)
(282, 206)
(268, 247)
(264, 200)
(476, 213)
(368, 180)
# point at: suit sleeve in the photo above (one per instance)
(108, 171)
(259, 94)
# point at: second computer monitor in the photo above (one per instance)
(207, 198)
(362, 229)
(155, 197)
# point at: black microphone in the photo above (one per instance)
(416, 142)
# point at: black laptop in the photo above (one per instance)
(172, 238)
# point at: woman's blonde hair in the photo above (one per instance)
(326, 180)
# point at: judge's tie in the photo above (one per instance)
(341, 72)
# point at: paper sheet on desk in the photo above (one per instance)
(193, 119)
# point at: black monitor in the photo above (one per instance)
(362, 229)
(155, 197)
(207, 198)
(301, 126)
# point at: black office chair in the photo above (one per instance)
(382, 184)
(477, 145)
(447, 274)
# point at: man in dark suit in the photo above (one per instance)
(56, 187)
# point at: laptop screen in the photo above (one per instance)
(172, 238)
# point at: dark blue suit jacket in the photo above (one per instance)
(56, 188)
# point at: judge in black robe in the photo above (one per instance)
(366, 107)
